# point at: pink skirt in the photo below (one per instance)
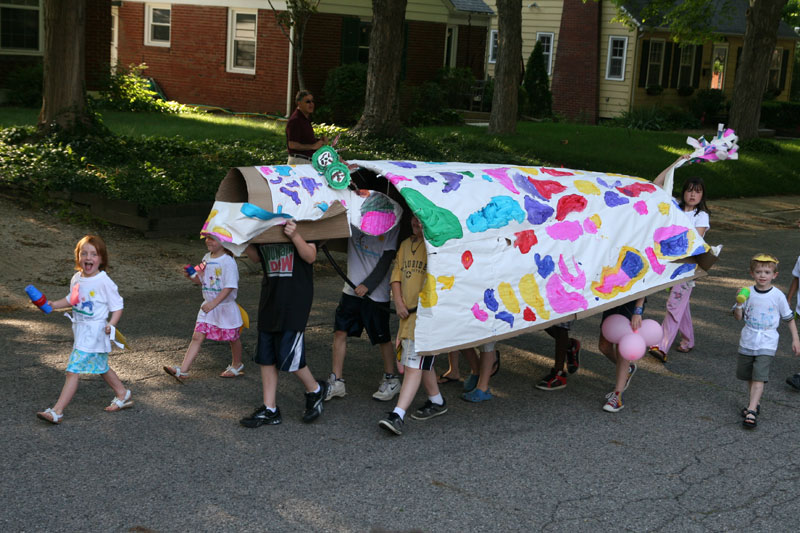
(215, 333)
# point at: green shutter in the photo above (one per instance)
(665, 66)
(676, 64)
(350, 36)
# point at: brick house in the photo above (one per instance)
(232, 54)
(600, 68)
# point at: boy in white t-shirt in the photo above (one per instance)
(794, 296)
(762, 312)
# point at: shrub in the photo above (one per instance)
(707, 104)
(654, 90)
(536, 84)
(456, 85)
(781, 115)
(430, 107)
(25, 86)
(685, 90)
(344, 91)
(642, 118)
(128, 90)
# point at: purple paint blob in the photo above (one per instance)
(291, 194)
(453, 181)
(613, 199)
(489, 300)
(292, 183)
(675, 245)
(602, 182)
(632, 264)
(403, 164)
(686, 267)
(538, 213)
(425, 180)
(505, 316)
(525, 185)
(310, 184)
(276, 180)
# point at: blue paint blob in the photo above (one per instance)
(291, 194)
(322, 206)
(284, 170)
(505, 316)
(425, 180)
(403, 164)
(487, 177)
(276, 180)
(253, 211)
(545, 264)
(499, 212)
(632, 264)
(699, 250)
(602, 182)
(675, 245)
(538, 213)
(489, 300)
(292, 183)
(613, 199)
(310, 184)
(686, 267)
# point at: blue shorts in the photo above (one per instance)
(286, 349)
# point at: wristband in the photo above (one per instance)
(638, 311)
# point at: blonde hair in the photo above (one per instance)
(763, 259)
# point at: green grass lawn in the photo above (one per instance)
(764, 168)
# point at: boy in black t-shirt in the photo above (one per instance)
(286, 293)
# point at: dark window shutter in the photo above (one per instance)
(698, 62)
(404, 59)
(643, 60)
(665, 65)
(676, 64)
(350, 36)
(784, 64)
(738, 62)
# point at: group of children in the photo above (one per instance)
(285, 304)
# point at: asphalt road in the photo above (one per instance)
(676, 458)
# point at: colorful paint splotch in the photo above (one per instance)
(428, 296)
(452, 181)
(545, 265)
(403, 164)
(586, 187)
(505, 316)
(556, 173)
(396, 178)
(500, 175)
(630, 268)
(683, 269)
(657, 267)
(498, 213)
(613, 199)
(479, 313)
(538, 213)
(446, 281)
(489, 300)
(466, 259)
(640, 207)
(672, 241)
(561, 300)
(377, 222)
(529, 290)
(635, 189)
(528, 315)
(525, 240)
(439, 224)
(508, 297)
(291, 194)
(547, 188)
(310, 185)
(570, 203)
(577, 280)
(568, 230)
(425, 180)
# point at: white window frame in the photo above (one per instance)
(549, 54)
(230, 67)
(494, 44)
(624, 57)
(40, 45)
(777, 54)
(648, 81)
(692, 52)
(148, 24)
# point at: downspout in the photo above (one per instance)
(289, 98)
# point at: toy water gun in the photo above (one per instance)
(38, 299)
(744, 294)
(193, 270)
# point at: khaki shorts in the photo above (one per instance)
(753, 367)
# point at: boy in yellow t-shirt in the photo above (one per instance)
(408, 277)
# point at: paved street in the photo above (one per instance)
(676, 458)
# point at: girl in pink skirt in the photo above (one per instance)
(219, 318)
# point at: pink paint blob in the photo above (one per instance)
(612, 281)
(658, 268)
(589, 226)
(668, 231)
(395, 179)
(479, 313)
(562, 301)
(501, 176)
(265, 170)
(377, 222)
(578, 281)
(640, 207)
(565, 231)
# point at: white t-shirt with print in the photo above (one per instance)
(796, 273)
(363, 253)
(220, 273)
(763, 312)
(97, 297)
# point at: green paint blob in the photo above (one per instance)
(439, 225)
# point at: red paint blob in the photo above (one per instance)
(547, 188)
(571, 203)
(635, 189)
(525, 240)
(528, 315)
(466, 259)
(556, 173)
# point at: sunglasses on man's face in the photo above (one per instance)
(308, 101)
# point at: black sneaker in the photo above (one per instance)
(553, 381)
(392, 423)
(314, 402)
(262, 416)
(573, 356)
(794, 381)
(429, 410)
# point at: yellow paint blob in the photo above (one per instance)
(663, 208)
(446, 281)
(221, 231)
(428, 297)
(509, 298)
(530, 293)
(597, 220)
(587, 187)
(529, 170)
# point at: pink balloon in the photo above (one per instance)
(651, 332)
(632, 347)
(615, 327)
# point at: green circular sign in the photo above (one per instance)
(323, 158)
(338, 175)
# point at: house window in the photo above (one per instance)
(493, 46)
(157, 24)
(20, 26)
(242, 41)
(617, 54)
(719, 60)
(654, 60)
(547, 49)
(686, 66)
(773, 82)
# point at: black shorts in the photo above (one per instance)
(286, 349)
(354, 315)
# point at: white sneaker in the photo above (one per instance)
(335, 388)
(390, 387)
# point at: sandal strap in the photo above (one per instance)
(121, 403)
(235, 371)
(56, 416)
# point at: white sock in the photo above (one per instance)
(271, 409)
(401, 412)
(438, 400)
(317, 389)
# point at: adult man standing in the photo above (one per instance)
(300, 140)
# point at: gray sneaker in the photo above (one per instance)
(392, 423)
(335, 388)
(390, 387)
(429, 410)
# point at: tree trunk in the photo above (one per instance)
(299, 37)
(63, 93)
(760, 36)
(381, 114)
(507, 69)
